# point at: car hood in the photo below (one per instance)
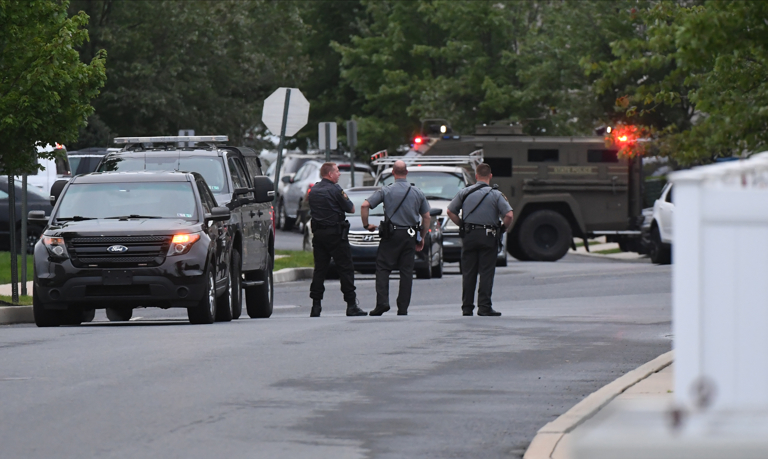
(356, 224)
(131, 227)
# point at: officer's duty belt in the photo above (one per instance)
(397, 227)
(471, 226)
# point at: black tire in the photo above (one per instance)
(425, 273)
(237, 286)
(88, 315)
(45, 317)
(437, 271)
(659, 252)
(259, 299)
(223, 303)
(205, 311)
(287, 222)
(545, 235)
(514, 249)
(119, 314)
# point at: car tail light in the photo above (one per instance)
(182, 243)
(55, 246)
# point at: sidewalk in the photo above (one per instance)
(598, 247)
(5, 289)
(651, 383)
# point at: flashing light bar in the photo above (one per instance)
(379, 155)
(168, 139)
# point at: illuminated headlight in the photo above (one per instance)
(182, 243)
(55, 246)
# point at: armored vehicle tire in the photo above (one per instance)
(205, 311)
(119, 314)
(259, 299)
(514, 249)
(237, 285)
(224, 304)
(545, 235)
(659, 252)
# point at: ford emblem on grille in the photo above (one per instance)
(117, 249)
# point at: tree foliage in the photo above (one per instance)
(199, 65)
(45, 89)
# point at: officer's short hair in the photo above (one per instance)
(483, 170)
(326, 169)
(398, 169)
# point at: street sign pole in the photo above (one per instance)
(352, 142)
(282, 142)
(12, 238)
(24, 234)
(327, 142)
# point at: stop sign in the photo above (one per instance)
(274, 111)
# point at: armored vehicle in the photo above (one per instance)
(559, 187)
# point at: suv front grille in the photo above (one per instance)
(142, 251)
(366, 239)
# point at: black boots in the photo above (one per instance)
(378, 310)
(490, 312)
(353, 310)
(316, 308)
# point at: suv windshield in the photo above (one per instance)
(210, 167)
(434, 185)
(150, 199)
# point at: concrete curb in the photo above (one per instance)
(23, 314)
(547, 438)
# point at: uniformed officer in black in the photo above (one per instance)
(327, 205)
(403, 204)
(481, 207)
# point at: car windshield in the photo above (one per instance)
(434, 185)
(110, 200)
(358, 198)
(210, 167)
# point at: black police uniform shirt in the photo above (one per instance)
(415, 203)
(328, 203)
(492, 209)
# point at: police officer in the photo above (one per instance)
(403, 203)
(327, 205)
(481, 206)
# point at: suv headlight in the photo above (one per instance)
(55, 246)
(182, 243)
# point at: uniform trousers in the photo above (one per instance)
(478, 255)
(397, 252)
(327, 244)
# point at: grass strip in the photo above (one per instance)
(609, 251)
(24, 300)
(5, 267)
(294, 259)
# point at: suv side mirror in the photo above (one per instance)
(435, 212)
(263, 189)
(241, 191)
(37, 216)
(218, 214)
(56, 189)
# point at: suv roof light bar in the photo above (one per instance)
(168, 139)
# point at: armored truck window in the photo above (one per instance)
(542, 156)
(602, 156)
(500, 167)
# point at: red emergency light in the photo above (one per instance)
(418, 140)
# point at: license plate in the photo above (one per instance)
(117, 277)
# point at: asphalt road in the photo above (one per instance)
(429, 385)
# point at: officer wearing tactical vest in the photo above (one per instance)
(403, 203)
(481, 206)
(327, 205)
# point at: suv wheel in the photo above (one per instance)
(119, 314)
(45, 317)
(224, 302)
(205, 311)
(659, 252)
(545, 235)
(259, 299)
(236, 291)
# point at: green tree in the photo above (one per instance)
(197, 65)
(707, 61)
(45, 89)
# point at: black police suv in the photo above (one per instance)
(125, 240)
(232, 174)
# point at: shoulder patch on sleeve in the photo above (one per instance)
(504, 196)
(345, 194)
